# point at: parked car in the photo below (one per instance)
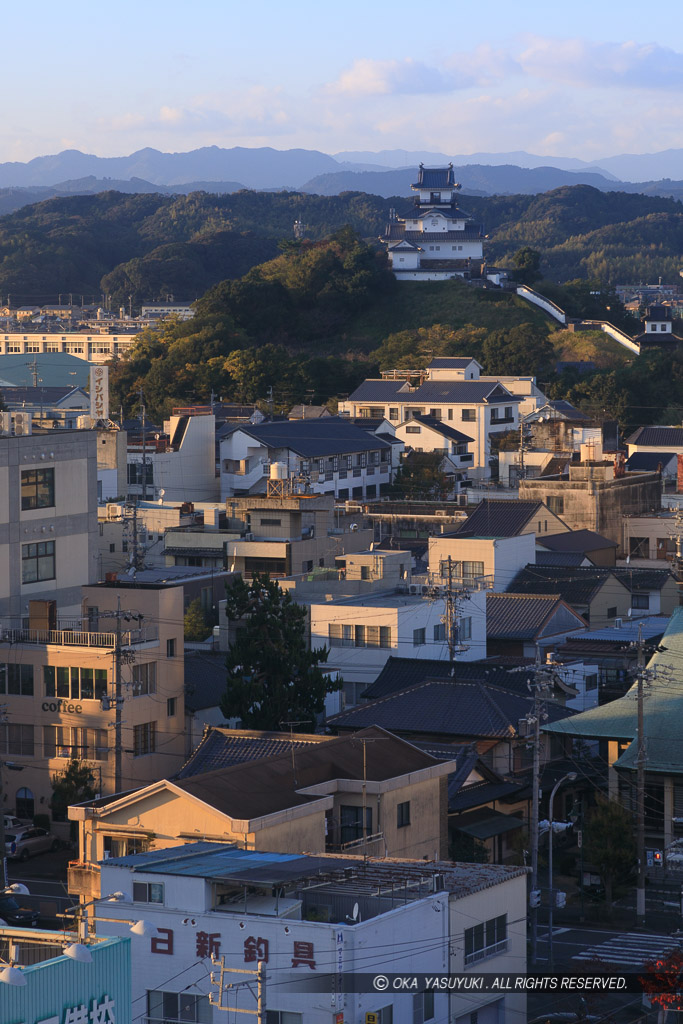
(11, 913)
(22, 843)
(12, 822)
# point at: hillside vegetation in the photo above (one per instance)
(149, 245)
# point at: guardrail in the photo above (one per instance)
(75, 638)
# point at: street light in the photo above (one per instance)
(569, 777)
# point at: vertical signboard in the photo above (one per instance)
(99, 392)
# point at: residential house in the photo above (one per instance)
(223, 747)
(650, 537)
(665, 463)
(508, 518)
(427, 434)
(597, 549)
(597, 595)
(343, 793)
(181, 466)
(323, 456)
(478, 408)
(304, 918)
(469, 558)
(61, 406)
(521, 624)
(659, 440)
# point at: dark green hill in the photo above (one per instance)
(118, 243)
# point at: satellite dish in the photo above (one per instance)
(162, 492)
(630, 612)
(355, 912)
(628, 559)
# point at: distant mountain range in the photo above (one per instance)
(386, 173)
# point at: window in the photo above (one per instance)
(342, 634)
(435, 413)
(612, 612)
(465, 628)
(485, 940)
(351, 820)
(413, 430)
(450, 414)
(271, 522)
(468, 415)
(135, 473)
(144, 678)
(148, 892)
(423, 1007)
(17, 680)
(37, 488)
(144, 739)
(16, 739)
(25, 807)
(75, 683)
(170, 648)
(63, 741)
(419, 637)
(640, 600)
(440, 631)
(115, 846)
(283, 1017)
(555, 504)
(365, 572)
(403, 814)
(461, 570)
(592, 681)
(38, 562)
(170, 707)
(393, 413)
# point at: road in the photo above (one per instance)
(45, 878)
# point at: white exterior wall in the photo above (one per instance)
(503, 557)
(403, 615)
(188, 474)
(337, 947)
(404, 259)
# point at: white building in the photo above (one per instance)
(311, 922)
(438, 241)
(92, 346)
(48, 520)
(325, 456)
(497, 560)
(362, 632)
(182, 468)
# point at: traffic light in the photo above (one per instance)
(560, 899)
(658, 859)
(535, 898)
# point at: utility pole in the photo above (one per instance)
(640, 785)
(33, 367)
(118, 711)
(144, 447)
(540, 686)
(218, 999)
(270, 401)
(450, 619)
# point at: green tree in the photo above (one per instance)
(610, 845)
(524, 349)
(273, 674)
(72, 786)
(196, 627)
(526, 264)
(420, 476)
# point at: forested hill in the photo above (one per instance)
(149, 245)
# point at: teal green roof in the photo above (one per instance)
(663, 711)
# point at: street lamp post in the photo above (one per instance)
(570, 777)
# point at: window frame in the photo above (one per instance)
(44, 560)
(31, 502)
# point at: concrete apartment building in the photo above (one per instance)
(306, 916)
(48, 521)
(596, 496)
(58, 685)
(93, 346)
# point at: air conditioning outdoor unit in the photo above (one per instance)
(21, 423)
(414, 588)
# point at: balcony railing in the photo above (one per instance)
(76, 638)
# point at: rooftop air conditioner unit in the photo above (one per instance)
(618, 623)
(21, 423)
(441, 512)
(414, 588)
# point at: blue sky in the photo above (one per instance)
(581, 79)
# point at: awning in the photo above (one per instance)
(485, 823)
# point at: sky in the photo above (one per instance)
(586, 79)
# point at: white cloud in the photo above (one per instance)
(603, 65)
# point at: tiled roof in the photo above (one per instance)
(450, 214)
(576, 540)
(649, 462)
(451, 362)
(657, 437)
(223, 748)
(401, 673)
(566, 558)
(311, 438)
(461, 392)
(520, 616)
(484, 793)
(446, 707)
(500, 518)
(434, 177)
(567, 409)
(577, 586)
(374, 390)
(642, 579)
(256, 788)
(395, 231)
(442, 428)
